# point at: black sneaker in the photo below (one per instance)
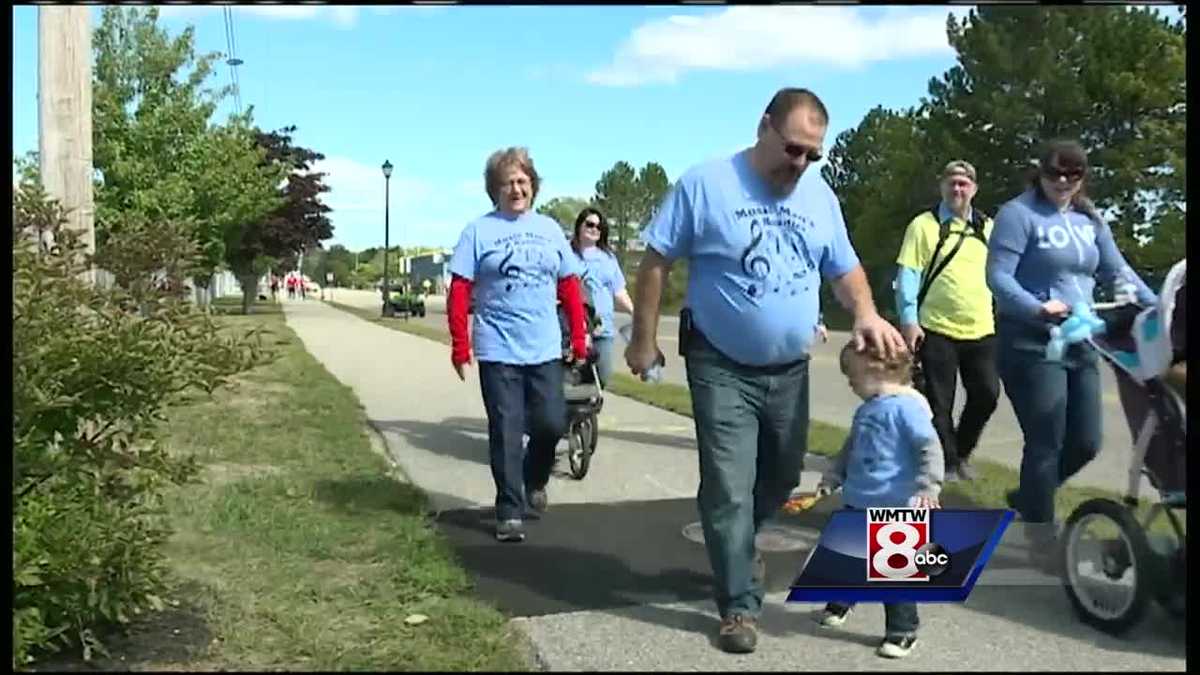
(833, 615)
(738, 634)
(537, 501)
(510, 530)
(896, 647)
(1010, 498)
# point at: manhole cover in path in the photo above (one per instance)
(771, 538)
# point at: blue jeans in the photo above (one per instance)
(752, 433)
(518, 398)
(900, 618)
(1058, 406)
(604, 359)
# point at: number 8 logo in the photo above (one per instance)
(881, 561)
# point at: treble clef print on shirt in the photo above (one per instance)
(754, 262)
(509, 270)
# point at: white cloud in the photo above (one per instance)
(758, 38)
(342, 16)
(358, 188)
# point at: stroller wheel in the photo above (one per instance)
(581, 443)
(1110, 569)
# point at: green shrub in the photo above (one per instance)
(94, 370)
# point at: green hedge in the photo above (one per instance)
(93, 372)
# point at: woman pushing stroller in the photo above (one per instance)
(1045, 250)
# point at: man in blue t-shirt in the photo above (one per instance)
(759, 232)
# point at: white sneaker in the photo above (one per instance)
(833, 616)
(896, 647)
(510, 530)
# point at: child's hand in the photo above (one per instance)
(924, 502)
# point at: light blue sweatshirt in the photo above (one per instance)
(891, 454)
(1037, 253)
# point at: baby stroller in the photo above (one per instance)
(584, 395)
(1114, 565)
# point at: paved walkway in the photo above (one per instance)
(610, 580)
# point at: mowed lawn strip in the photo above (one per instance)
(305, 552)
(987, 491)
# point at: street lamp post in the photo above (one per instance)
(387, 182)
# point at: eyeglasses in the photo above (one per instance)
(591, 224)
(795, 150)
(1072, 175)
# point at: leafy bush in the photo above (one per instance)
(94, 370)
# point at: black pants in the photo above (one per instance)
(520, 398)
(942, 359)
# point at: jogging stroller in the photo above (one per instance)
(584, 395)
(1114, 565)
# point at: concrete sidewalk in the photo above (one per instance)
(614, 578)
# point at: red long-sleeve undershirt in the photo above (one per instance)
(458, 301)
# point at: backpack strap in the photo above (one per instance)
(978, 219)
(931, 271)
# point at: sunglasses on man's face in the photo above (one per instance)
(1072, 175)
(795, 150)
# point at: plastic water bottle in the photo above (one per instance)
(654, 374)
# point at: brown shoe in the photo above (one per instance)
(738, 634)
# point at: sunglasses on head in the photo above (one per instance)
(795, 150)
(1072, 175)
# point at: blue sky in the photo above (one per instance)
(436, 89)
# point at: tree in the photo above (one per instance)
(653, 186)
(564, 210)
(158, 158)
(617, 197)
(629, 199)
(1113, 78)
(884, 173)
(297, 222)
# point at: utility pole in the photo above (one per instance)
(65, 114)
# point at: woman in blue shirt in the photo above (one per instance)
(604, 281)
(1048, 247)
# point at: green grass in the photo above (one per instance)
(987, 491)
(232, 304)
(300, 549)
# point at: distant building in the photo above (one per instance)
(432, 266)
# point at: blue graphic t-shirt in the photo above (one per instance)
(515, 264)
(884, 449)
(755, 260)
(603, 278)
(1037, 253)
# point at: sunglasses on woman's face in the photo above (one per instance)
(1072, 175)
(591, 224)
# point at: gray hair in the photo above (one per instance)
(517, 157)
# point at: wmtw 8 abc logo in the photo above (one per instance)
(900, 546)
